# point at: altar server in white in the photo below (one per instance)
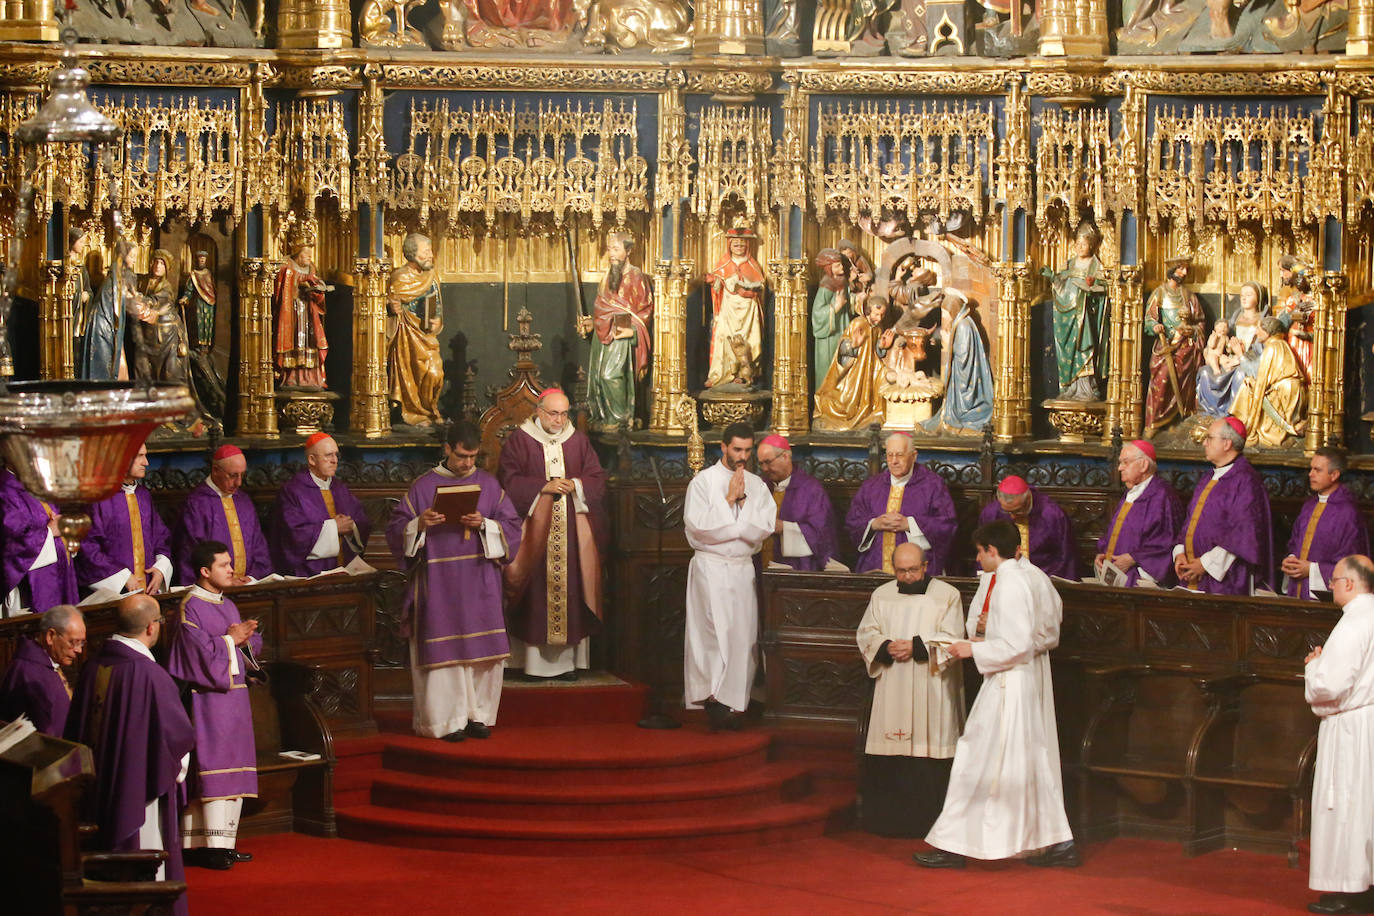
(918, 699)
(1340, 688)
(728, 515)
(1006, 793)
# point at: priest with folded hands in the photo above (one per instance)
(905, 502)
(1146, 525)
(317, 523)
(129, 547)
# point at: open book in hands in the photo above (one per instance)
(940, 656)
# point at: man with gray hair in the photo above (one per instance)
(1329, 527)
(1226, 545)
(1146, 525)
(35, 685)
(1339, 685)
(905, 502)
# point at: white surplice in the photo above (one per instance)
(1340, 689)
(916, 712)
(722, 604)
(1006, 793)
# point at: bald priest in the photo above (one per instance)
(317, 523)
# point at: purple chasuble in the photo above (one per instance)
(454, 595)
(1235, 518)
(522, 473)
(299, 515)
(1149, 532)
(110, 545)
(32, 687)
(128, 710)
(23, 532)
(203, 519)
(1340, 532)
(225, 763)
(1051, 542)
(804, 502)
(926, 499)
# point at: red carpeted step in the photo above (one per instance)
(776, 823)
(583, 755)
(750, 789)
(597, 698)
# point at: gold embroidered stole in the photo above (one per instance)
(1116, 526)
(559, 553)
(329, 507)
(231, 517)
(1311, 529)
(1023, 531)
(1197, 517)
(894, 504)
(139, 567)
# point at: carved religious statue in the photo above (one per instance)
(623, 25)
(77, 288)
(737, 290)
(1232, 353)
(1079, 301)
(298, 313)
(103, 358)
(384, 24)
(1173, 317)
(1273, 402)
(160, 351)
(619, 329)
(847, 398)
(198, 310)
(1298, 312)
(415, 367)
(510, 23)
(831, 311)
(964, 369)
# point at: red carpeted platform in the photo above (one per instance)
(844, 873)
(566, 772)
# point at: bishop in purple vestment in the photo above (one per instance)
(562, 606)
(129, 547)
(34, 684)
(1147, 523)
(907, 502)
(214, 652)
(1226, 542)
(317, 523)
(1329, 528)
(218, 510)
(128, 710)
(1040, 522)
(35, 570)
(454, 601)
(805, 534)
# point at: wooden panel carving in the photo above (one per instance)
(826, 684)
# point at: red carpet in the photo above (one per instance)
(840, 874)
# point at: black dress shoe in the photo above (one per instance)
(1342, 903)
(477, 729)
(455, 737)
(242, 856)
(938, 858)
(567, 676)
(718, 714)
(1060, 855)
(217, 859)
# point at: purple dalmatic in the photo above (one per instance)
(925, 499)
(298, 518)
(454, 598)
(1149, 530)
(23, 534)
(32, 687)
(203, 517)
(1051, 541)
(1235, 518)
(128, 710)
(109, 547)
(225, 764)
(1340, 531)
(805, 503)
(522, 472)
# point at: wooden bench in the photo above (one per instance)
(293, 795)
(1251, 764)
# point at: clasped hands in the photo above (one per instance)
(1294, 568)
(1188, 571)
(240, 631)
(889, 521)
(734, 493)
